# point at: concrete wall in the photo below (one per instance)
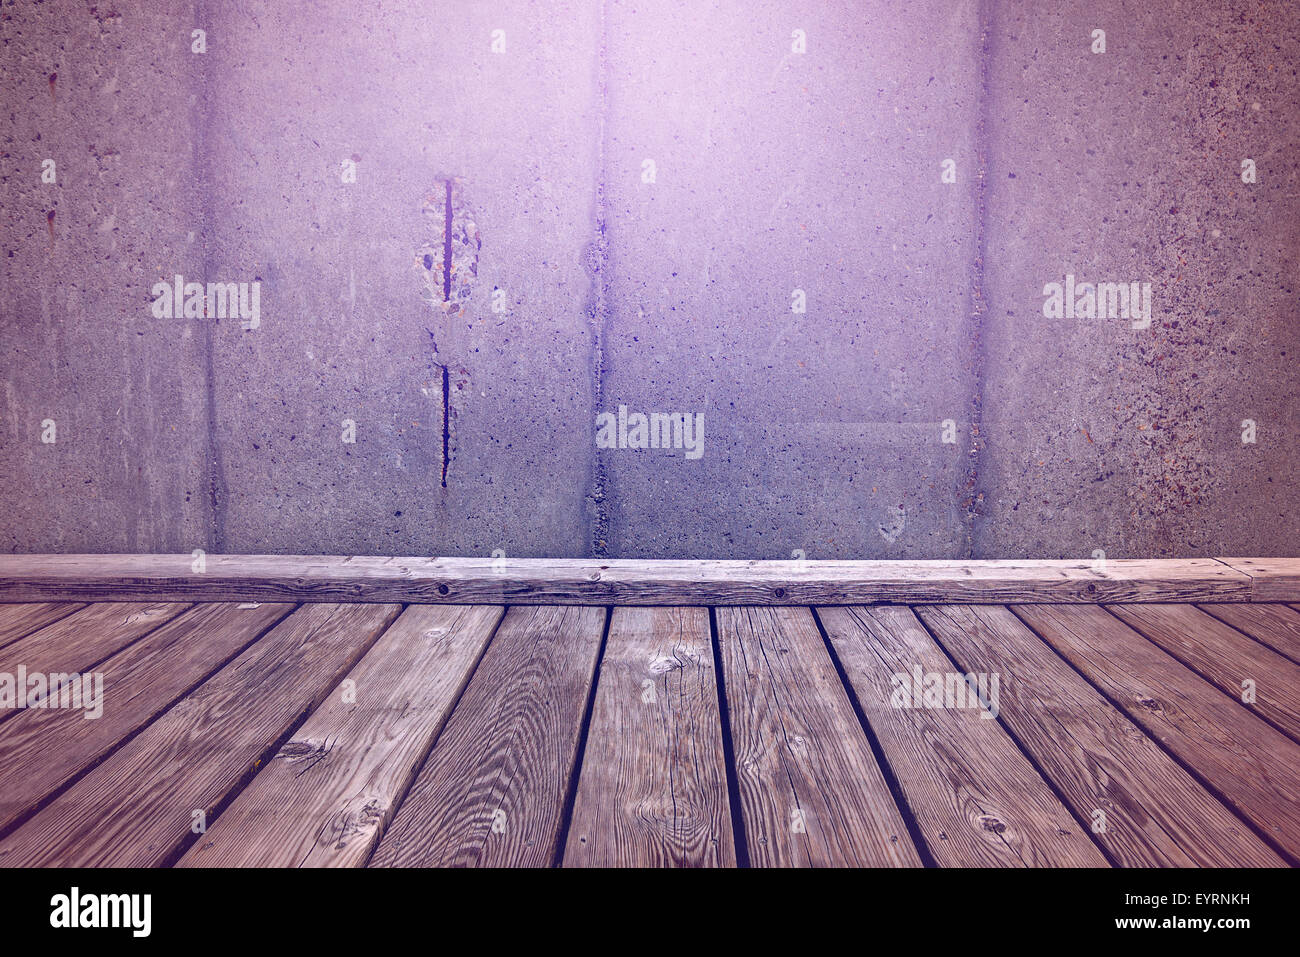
(640, 192)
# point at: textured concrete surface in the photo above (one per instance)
(777, 171)
(309, 149)
(350, 330)
(110, 99)
(1127, 166)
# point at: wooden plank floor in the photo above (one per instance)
(328, 734)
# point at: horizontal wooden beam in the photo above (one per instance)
(1271, 579)
(26, 578)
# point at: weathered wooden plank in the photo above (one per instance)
(492, 791)
(811, 793)
(1155, 813)
(978, 801)
(1271, 579)
(1254, 767)
(77, 642)
(603, 582)
(41, 749)
(138, 807)
(653, 786)
(16, 621)
(325, 798)
(1225, 657)
(1276, 625)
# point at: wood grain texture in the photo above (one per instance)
(493, 790)
(653, 787)
(605, 582)
(41, 749)
(978, 801)
(79, 641)
(137, 808)
(1271, 579)
(1224, 657)
(22, 619)
(1254, 767)
(1276, 625)
(811, 793)
(1156, 814)
(325, 798)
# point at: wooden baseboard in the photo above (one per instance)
(26, 578)
(1272, 579)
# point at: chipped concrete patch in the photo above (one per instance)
(448, 256)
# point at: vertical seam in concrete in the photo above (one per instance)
(978, 305)
(215, 472)
(597, 314)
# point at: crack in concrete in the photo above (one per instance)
(449, 288)
(446, 273)
(446, 423)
